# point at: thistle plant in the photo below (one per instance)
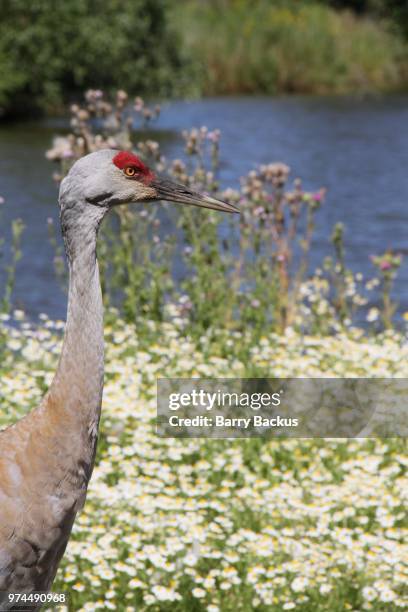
(387, 266)
(13, 256)
(99, 124)
(17, 228)
(346, 292)
(247, 274)
(276, 232)
(9, 268)
(244, 272)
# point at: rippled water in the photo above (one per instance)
(358, 149)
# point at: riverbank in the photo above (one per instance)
(194, 49)
(250, 47)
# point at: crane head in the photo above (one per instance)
(109, 178)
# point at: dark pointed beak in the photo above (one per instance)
(173, 192)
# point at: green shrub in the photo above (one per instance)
(50, 50)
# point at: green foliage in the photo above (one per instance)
(395, 10)
(17, 228)
(50, 50)
(388, 7)
(12, 256)
(245, 46)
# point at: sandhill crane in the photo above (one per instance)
(46, 458)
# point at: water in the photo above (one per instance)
(357, 148)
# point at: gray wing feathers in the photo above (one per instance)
(41, 490)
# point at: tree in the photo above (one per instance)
(50, 50)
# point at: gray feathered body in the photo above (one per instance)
(46, 459)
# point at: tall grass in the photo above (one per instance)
(271, 46)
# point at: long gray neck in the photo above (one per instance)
(78, 383)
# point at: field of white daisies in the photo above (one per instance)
(196, 525)
(226, 525)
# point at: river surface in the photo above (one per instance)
(357, 148)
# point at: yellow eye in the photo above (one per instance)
(129, 171)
